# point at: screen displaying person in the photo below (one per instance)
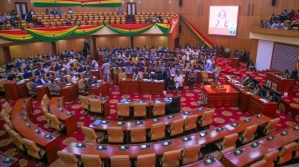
(222, 21)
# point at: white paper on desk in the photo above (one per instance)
(40, 86)
(248, 93)
(263, 100)
(228, 127)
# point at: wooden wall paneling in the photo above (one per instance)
(30, 49)
(145, 40)
(2, 60)
(117, 41)
(253, 50)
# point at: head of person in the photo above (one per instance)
(286, 71)
(222, 14)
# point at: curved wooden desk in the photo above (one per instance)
(157, 147)
(202, 163)
(251, 154)
(69, 118)
(69, 92)
(14, 162)
(20, 118)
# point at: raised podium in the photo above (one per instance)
(235, 62)
(280, 84)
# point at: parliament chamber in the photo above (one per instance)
(139, 83)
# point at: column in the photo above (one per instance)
(53, 46)
(6, 53)
(132, 41)
(95, 51)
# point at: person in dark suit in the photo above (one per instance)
(149, 75)
(166, 77)
(250, 65)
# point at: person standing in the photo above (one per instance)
(166, 77)
(106, 70)
(216, 71)
(178, 81)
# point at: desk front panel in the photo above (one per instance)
(70, 93)
(40, 92)
(257, 106)
(129, 86)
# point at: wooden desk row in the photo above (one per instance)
(251, 154)
(20, 114)
(158, 148)
(251, 103)
(282, 85)
(72, 91)
(136, 86)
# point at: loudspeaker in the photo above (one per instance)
(181, 2)
(180, 28)
(273, 2)
(199, 9)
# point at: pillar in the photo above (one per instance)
(6, 53)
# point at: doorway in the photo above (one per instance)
(131, 9)
(21, 8)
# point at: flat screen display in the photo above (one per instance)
(223, 20)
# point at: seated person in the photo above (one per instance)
(207, 67)
(122, 64)
(294, 74)
(18, 64)
(81, 69)
(66, 65)
(27, 74)
(149, 75)
(60, 74)
(46, 64)
(141, 67)
(192, 77)
(75, 78)
(33, 85)
(178, 80)
(135, 59)
(137, 75)
(128, 70)
(27, 68)
(269, 96)
(71, 71)
(57, 67)
(234, 80)
(286, 74)
(63, 81)
(89, 82)
(41, 80)
(54, 87)
(198, 67)
(88, 74)
(246, 80)
(39, 71)
(151, 69)
(257, 90)
(250, 65)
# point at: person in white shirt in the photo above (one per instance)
(95, 65)
(216, 71)
(178, 80)
(75, 78)
(106, 70)
(70, 11)
(137, 75)
(66, 65)
(209, 60)
(73, 60)
(71, 71)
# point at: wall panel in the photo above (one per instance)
(141, 41)
(2, 61)
(30, 50)
(115, 41)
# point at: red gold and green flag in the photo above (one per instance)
(52, 34)
(16, 35)
(87, 30)
(101, 3)
(165, 28)
(94, 3)
(198, 34)
(55, 3)
(129, 29)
